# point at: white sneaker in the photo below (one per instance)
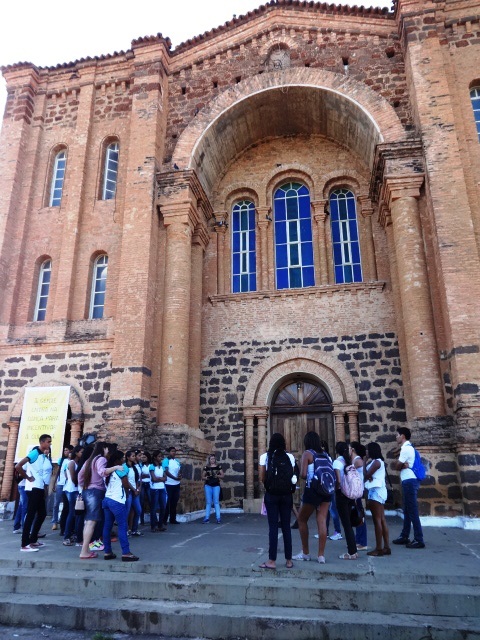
(336, 536)
(28, 549)
(17, 531)
(321, 559)
(302, 556)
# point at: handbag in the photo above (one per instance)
(356, 515)
(79, 503)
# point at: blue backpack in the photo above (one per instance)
(323, 479)
(418, 468)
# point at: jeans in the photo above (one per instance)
(343, 506)
(36, 514)
(157, 503)
(332, 511)
(361, 531)
(173, 493)
(144, 499)
(212, 494)
(70, 523)
(410, 510)
(134, 501)
(57, 501)
(21, 509)
(279, 506)
(115, 512)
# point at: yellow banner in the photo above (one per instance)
(44, 411)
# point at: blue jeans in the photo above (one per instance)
(157, 503)
(212, 494)
(173, 493)
(279, 506)
(70, 523)
(115, 512)
(57, 501)
(361, 531)
(21, 509)
(332, 511)
(410, 510)
(134, 501)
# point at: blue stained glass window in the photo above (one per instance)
(293, 237)
(346, 248)
(243, 247)
(475, 98)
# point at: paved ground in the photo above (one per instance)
(241, 542)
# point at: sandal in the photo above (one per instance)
(289, 564)
(109, 556)
(91, 556)
(348, 556)
(387, 551)
(130, 558)
(264, 565)
(377, 553)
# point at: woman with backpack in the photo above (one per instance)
(344, 503)
(276, 471)
(374, 474)
(312, 500)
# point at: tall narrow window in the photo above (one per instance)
(58, 177)
(346, 248)
(244, 276)
(110, 171)
(99, 287)
(293, 237)
(475, 98)
(42, 291)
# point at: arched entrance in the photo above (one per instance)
(298, 406)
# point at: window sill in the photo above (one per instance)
(312, 292)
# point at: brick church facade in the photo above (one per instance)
(272, 227)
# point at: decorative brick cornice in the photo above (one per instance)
(405, 157)
(180, 187)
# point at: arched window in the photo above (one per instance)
(244, 276)
(110, 171)
(293, 237)
(58, 177)
(346, 248)
(99, 287)
(43, 289)
(475, 98)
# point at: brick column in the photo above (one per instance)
(402, 195)
(320, 217)
(199, 242)
(249, 461)
(369, 263)
(262, 247)
(262, 431)
(221, 229)
(13, 427)
(339, 417)
(72, 203)
(176, 318)
(75, 431)
(353, 426)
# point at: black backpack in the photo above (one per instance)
(279, 473)
(323, 480)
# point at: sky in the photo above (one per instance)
(55, 31)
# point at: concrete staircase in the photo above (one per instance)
(226, 603)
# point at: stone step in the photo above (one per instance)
(258, 589)
(227, 621)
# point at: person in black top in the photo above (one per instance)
(212, 474)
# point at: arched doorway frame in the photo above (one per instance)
(270, 374)
(76, 404)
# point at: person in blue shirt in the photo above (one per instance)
(172, 468)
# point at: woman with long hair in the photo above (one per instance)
(133, 497)
(158, 493)
(212, 474)
(374, 475)
(343, 503)
(278, 505)
(312, 501)
(358, 453)
(91, 481)
(115, 510)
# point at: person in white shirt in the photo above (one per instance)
(410, 485)
(37, 475)
(172, 468)
(374, 475)
(59, 484)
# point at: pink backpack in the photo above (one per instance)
(352, 484)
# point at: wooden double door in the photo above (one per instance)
(299, 406)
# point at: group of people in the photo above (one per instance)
(328, 493)
(98, 485)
